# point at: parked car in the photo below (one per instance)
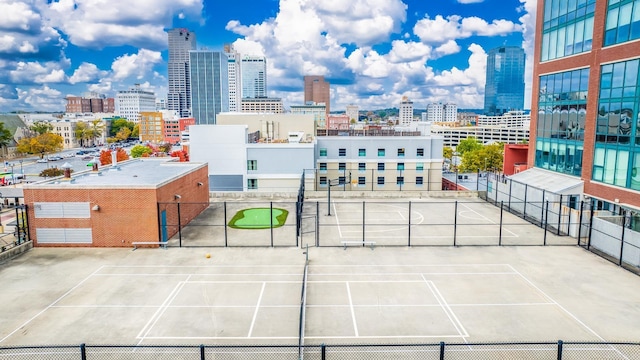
(43, 160)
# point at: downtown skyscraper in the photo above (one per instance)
(181, 41)
(317, 90)
(209, 85)
(504, 88)
(253, 76)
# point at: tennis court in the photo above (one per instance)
(253, 296)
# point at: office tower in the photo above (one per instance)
(209, 85)
(181, 41)
(504, 88)
(253, 72)
(130, 103)
(586, 81)
(450, 112)
(235, 78)
(405, 114)
(317, 90)
(435, 112)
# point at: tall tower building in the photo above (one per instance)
(209, 85)
(130, 103)
(504, 88)
(585, 105)
(253, 71)
(405, 114)
(235, 78)
(317, 90)
(435, 112)
(181, 41)
(450, 112)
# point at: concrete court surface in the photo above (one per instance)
(359, 295)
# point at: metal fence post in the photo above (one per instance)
(624, 220)
(542, 209)
(544, 241)
(559, 215)
(226, 243)
(409, 234)
(201, 352)
(179, 227)
(524, 205)
(323, 352)
(455, 221)
(317, 223)
(590, 224)
(83, 352)
(271, 220)
(560, 349)
(441, 350)
(363, 223)
(501, 215)
(509, 198)
(580, 222)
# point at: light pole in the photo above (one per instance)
(13, 178)
(21, 171)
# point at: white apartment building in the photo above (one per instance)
(450, 113)
(508, 119)
(405, 114)
(130, 103)
(235, 78)
(353, 112)
(435, 112)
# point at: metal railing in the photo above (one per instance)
(486, 351)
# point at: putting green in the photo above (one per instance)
(258, 218)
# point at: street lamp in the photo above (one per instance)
(21, 171)
(13, 178)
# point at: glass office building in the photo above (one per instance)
(504, 88)
(209, 85)
(587, 79)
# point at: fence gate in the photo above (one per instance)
(309, 231)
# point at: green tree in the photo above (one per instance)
(118, 124)
(488, 157)
(135, 132)
(140, 151)
(447, 153)
(468, 144)
(96, 129)
(41, 127)
(82, 132)
(123, 134)
(41, 144)
(5, 139)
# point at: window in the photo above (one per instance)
(380, 152)
(401, 152)
(323, 152)
(400, 166)
(419, 166)
(419, 180)
(252, 164)
(323, 166)
(362, 166)
(380, 166)
(420, 152)
(252, 183)
(361, 180)
(342, 180)
(342, 152)
(342, 166)
(323, 180)
(362, 152)
(400, 180)
(380, 180)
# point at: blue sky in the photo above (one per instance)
(372, 51)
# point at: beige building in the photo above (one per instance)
(262, 105)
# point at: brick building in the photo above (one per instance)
(136, 200)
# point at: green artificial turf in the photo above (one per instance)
(258, 218)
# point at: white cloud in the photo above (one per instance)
(55, 76)
(139, 23)
(448, 48)
(137, 65)
(86, 72)
(37, 72)
(19, 16)
(440, 30)
(43, 98)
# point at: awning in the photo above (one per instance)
(550, 181)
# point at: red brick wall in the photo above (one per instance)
(125, 215)
(513, 154)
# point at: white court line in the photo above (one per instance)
(220, 338)
(445, 307)
(566, 311)
(161, 310)
(489, 220)
(196, 274)
(353, 314)
(255, 313)
(335, 214)
(52, 304)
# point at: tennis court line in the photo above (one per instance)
(255, 313)
(161, 310)
(52, 304)
(445, 307)
(489, 220)
(353, 314)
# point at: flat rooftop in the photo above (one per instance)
(141, 172)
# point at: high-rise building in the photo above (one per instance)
(352, 112)
(130, 103)
(235, 78)
(405, 113)
(586, 108)
(434, 112)
(209, 85)
(253, 72)
(317, 90)
(450, 113)
(504, 88)
(181, 41)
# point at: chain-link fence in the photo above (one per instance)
(471, 351)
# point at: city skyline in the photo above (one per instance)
(372, 52)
